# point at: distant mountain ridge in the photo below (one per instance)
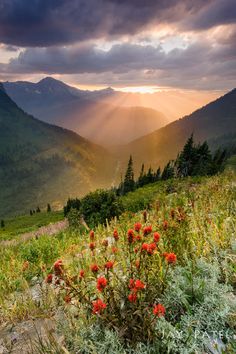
(215, 122)
(84, 112)
(42, 163)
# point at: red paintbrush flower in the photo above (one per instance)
(94, 268)
(156, 237)
(132, 297)
(145, 247)
(58, 267)
(81, 273)
(49, 278)
(139, 285)
(101, 283)
(109, 265)
(137, 226)
(115, 235)
(171, 258)
(98, 306)
(147, 230)
(92, 235)
(92, 246)
(159, 310)
(131, 236)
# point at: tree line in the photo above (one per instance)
(101, 205)
(193, 160)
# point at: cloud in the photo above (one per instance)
(202, 64)
(40, 23)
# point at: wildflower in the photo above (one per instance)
(101, 283)
(49, 278)
(145, 247)
(156, 237)
(115, 235)
(105, 243)
(136, 249)
(67, 298)
(131, 236)
(171, 258)
(159, 310)
(94, 268)
(147, 230)
(164, 254)
(58, 266)
(137, 264)
(81, 273)
(132, 297)
(114, 249)
(151, 248)
(139, 285)
(138, 238)
(109, 265)
(165, 224)
(131, 283)
(92, 235)
(98, 306)
(92, 246)
(25, 266)
(137, 226)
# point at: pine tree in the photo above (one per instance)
(150, 176)
(31, 213)
(129, 184)
(157, 176)
(186, 158)
(38, 209)
(2, 224)
(140, 181)
(168, 171)
(203, 161)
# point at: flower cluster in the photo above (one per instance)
(124, 271)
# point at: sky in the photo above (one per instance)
(134, 45)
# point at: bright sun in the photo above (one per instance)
(139, 89)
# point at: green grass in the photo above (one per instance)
(22, 224)
(203, 238)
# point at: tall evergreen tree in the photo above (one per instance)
(168, 171)
(157, 176)
(2, 224)
(141, 177)
(129, 183)
(203, 160)
(185, 160)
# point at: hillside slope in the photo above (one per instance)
(215, 122)
(41, 163)
(85, 112)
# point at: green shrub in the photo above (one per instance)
(99, 206)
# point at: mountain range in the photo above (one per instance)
(215, 122)
(85, 112)
(42, 163)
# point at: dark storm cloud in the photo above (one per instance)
(121, 58)
(202, 64)
(53, 22)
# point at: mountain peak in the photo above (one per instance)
(48, 79)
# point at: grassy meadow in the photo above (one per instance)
(15, 226)
(183, 296)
